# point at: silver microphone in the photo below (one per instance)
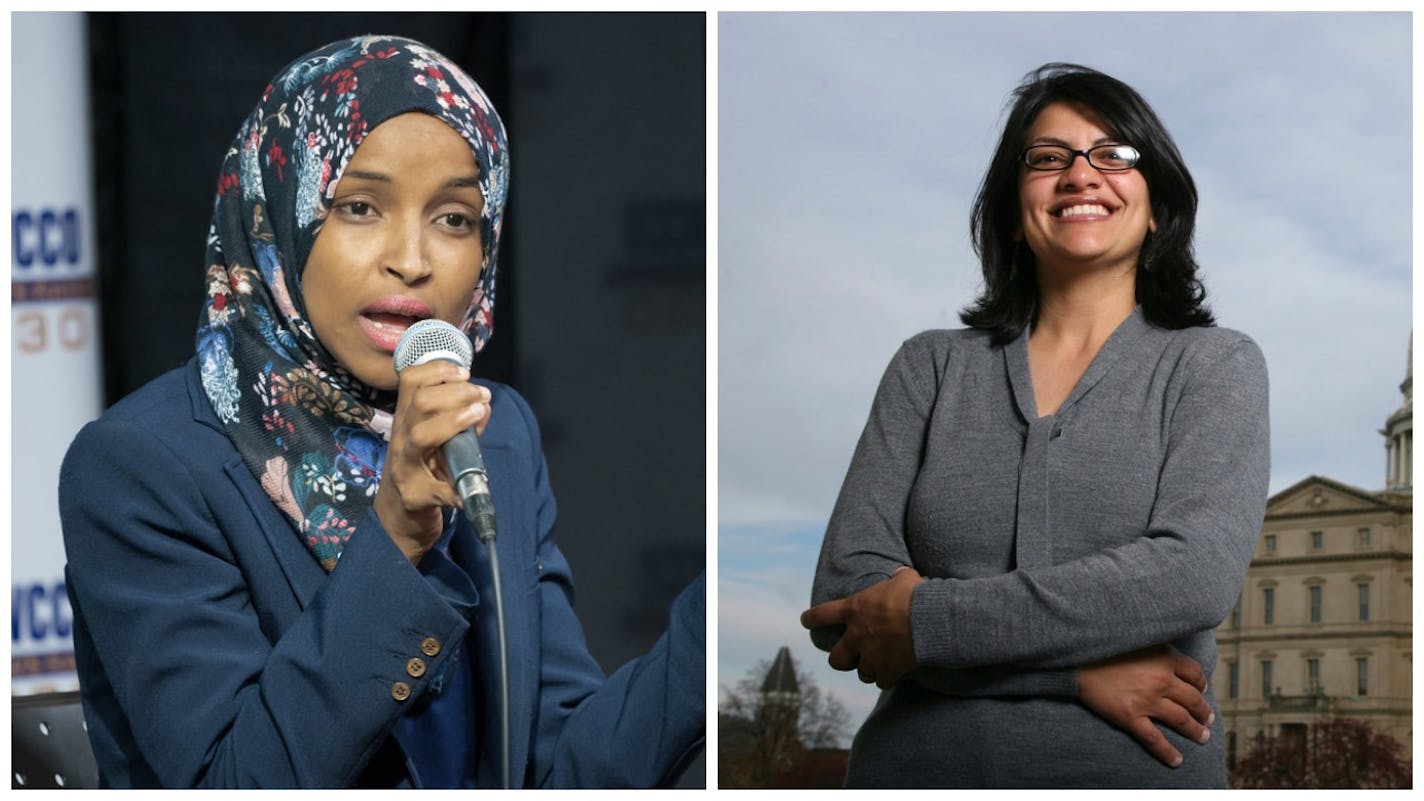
(426, 341)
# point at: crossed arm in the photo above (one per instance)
(1129, 691)
(1095, 628)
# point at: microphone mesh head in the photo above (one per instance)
(433, 339)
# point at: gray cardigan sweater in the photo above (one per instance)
(1124, 520)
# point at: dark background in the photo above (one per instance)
(600, 312)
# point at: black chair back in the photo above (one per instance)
(50, 743)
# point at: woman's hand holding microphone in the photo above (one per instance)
(435, 401)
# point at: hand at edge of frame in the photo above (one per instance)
(877, 643)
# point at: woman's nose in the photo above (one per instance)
(1080, 173)
(405, 255)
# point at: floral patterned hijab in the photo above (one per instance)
(314, 435)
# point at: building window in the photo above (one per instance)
(1231, 750)
(1364, 538)
(1236, 615)
(1312, 671)
(1317, 540)
(1364, 601)
(1270, 543)
(1314, 603)
(1362, 676)
(1268, 597)
(1265, 678)
(1233, 680)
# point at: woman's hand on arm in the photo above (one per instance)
(435, 402)
(865, 536)
(1129, 691)
(1156, 683)
(877, 643)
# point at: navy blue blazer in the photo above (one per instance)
(214, 651)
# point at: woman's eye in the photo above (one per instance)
(454, 220)
(356, 208)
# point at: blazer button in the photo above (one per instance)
(415, 667)
(430, 646)
(400, 691)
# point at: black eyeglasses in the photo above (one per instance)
(1056, 158)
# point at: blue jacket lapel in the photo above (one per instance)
(303, 574)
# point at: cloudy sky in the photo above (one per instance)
(849, 149)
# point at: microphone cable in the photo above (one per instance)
(479, 510)
(503, 662)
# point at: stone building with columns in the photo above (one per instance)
(1323, 627)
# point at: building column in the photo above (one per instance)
(1389, 461)
(1408, 457)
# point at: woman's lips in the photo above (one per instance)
(385, 320)
(384, 330)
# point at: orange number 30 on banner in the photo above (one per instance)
(68, 327)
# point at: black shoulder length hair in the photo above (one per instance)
(1168, 289)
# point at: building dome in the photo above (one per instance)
(1398, 434)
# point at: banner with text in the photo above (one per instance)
(56, 385)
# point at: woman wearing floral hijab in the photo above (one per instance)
(270, 585)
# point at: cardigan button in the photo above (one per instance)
(430, 646)
(400, 691)
(415, 667)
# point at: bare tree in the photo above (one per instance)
(1338, 753)
(766, 727)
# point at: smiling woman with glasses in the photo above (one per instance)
(1049, 512)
